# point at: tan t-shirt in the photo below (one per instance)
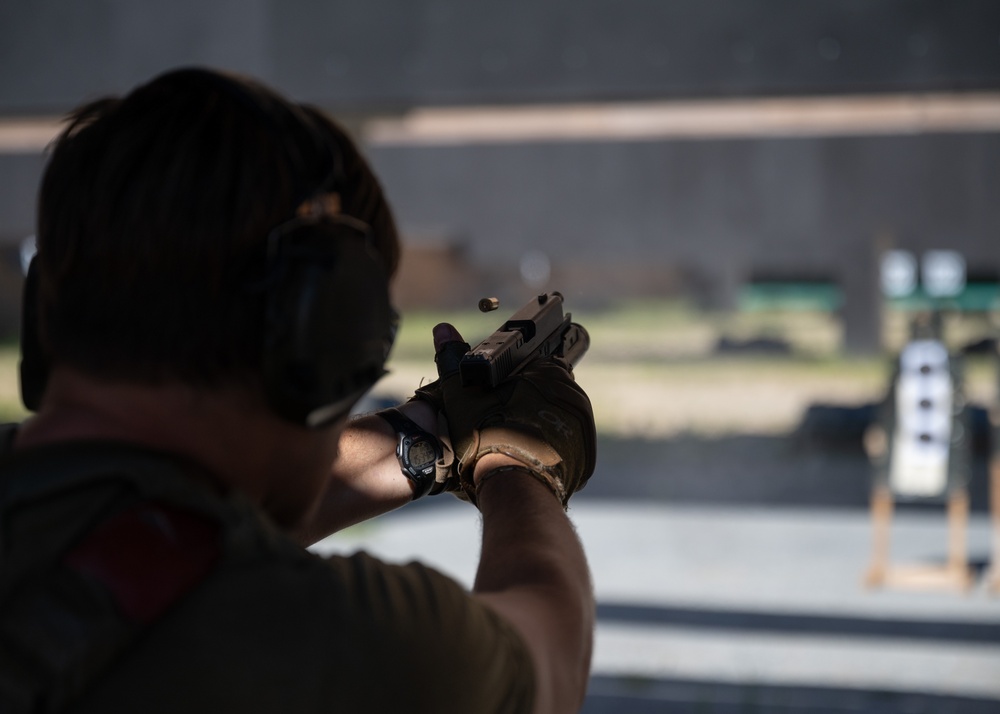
(272, 627)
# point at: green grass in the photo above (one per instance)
(640, 345)
(11, 408)
(641, 330)
(654, 366)
(653, 330)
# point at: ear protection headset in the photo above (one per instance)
(33, 369)
(328, 324)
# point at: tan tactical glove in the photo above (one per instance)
(539, 417)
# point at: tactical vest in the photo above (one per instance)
(87, 590)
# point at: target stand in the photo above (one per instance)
(954, 574)
(993, 574)
(920, 452)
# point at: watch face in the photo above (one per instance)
(422, 453)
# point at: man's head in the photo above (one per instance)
(154, 220)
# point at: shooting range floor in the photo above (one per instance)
(728, 535)
(753, 608)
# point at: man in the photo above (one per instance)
(208, 302)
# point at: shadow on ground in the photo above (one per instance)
(619, 695)
(747, 621)
(820, 464)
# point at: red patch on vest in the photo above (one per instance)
(147, 557)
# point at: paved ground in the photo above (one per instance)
(725, 607)
(728, 575)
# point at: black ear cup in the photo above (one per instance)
(329, 324)
(34, 367)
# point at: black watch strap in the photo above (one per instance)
(417, 451)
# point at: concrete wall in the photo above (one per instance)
(722, 209)
(19, 177)
(613, 216)
(385, 54)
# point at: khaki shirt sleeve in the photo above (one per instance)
(429, 645)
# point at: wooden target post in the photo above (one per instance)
(920, 451)
(993, 575)
(954, 574)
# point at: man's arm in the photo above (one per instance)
(533, 572)
(365, 479)
(522, 449)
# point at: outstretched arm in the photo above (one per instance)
(523, 449)
(365, 479)
(533, 572)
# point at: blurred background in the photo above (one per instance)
(746, 202)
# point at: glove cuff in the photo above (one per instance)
(554, 485)
(537, 457)
(444, 468)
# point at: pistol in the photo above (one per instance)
(539, 329)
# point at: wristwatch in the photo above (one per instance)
(417, 450)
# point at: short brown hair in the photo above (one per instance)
(153, 216)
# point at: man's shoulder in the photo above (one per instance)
(351, 629)
(8, 431)
(263, 604)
